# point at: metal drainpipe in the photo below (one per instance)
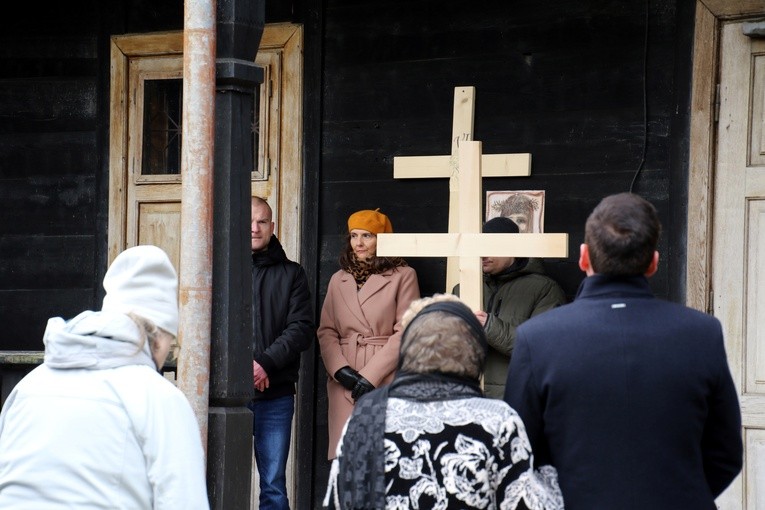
(195, 286)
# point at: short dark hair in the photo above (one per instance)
(621, 234)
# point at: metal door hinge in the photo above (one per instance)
(717, 103)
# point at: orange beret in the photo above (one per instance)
(371, 221)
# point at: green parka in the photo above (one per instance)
(510, 298)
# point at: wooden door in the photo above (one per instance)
(145, 141)
(738, 245)
(278, 176)
(153, 186)
(145, 138)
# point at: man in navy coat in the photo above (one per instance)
(628, 396)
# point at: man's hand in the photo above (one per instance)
(481, 316)
(259, 377)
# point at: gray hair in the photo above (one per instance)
(150, 332)
(439, 342)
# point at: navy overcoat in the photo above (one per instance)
(630, 397)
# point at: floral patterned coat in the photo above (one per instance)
(466, 453)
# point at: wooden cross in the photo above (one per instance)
(493, 165)
(468, 243)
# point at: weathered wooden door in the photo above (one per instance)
(154, 153)
(145, 144)
(145, 138)
(738, 245)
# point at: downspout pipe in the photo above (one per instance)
(197, 155)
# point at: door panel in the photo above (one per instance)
(153, 198)
(159, 223)
(144, 160)
(738, 245)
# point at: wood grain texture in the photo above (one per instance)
(701, 160)
(728, 9)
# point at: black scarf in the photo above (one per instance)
(361, 477)
(361, 270)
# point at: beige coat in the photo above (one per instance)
(362, 329)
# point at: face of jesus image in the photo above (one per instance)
(522, 220)
(520, 209)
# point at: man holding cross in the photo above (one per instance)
(514, 290)
(472, 249)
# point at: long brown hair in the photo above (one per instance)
(377, 264)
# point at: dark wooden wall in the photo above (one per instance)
(54, 147)
(562, 80)
(48, 166)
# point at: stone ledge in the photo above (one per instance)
(21, 357)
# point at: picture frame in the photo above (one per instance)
(525, 207)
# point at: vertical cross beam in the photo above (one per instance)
(492, 165)
(470, 222)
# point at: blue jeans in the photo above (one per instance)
(271, 428)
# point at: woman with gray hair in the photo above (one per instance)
(430, 439)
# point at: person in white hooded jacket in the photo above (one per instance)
(96, 426)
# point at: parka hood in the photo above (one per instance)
(95, 341)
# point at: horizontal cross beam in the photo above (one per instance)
(492, 165)
(473, 245)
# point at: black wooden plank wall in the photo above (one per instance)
(54, 118)
(562, 80)
(48, 164)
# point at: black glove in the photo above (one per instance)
(348, 377)
(362, 387)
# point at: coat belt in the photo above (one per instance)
(359, 340)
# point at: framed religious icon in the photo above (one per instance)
(526, 208)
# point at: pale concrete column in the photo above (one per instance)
(196, 210)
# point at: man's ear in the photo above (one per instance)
(653, 266)
(584, 259)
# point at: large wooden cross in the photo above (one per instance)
(468, 243)
(492, 165)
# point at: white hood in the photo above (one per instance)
(95, 341)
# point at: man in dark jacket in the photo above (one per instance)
(283, 327)
(628, 396)
(514, 290)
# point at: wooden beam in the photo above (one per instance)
(473, 245)
(492, 165)
(729, 9)
(468, 244)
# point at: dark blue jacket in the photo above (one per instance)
(282, 318)
(630, 398)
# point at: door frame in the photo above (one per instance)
(286, 40)
(123, 48)
(705, 94)
(706, 65)
(283, 149)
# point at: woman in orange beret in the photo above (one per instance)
(360, 326)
